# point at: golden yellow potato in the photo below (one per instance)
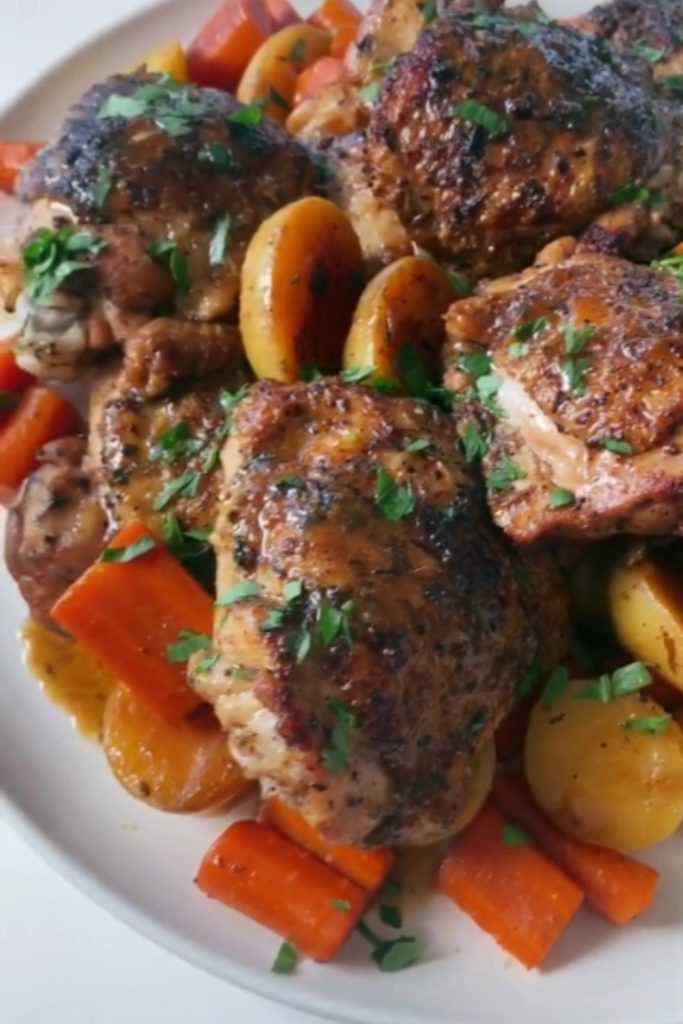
(403, 305)
(300, 282)
(175, 767)
(272, 72)
(166, 59)
(646, 605)
(600, 779)
(480, 786)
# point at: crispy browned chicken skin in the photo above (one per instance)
(414, 625)
(583, 400)
(144, 162)
(498, 132)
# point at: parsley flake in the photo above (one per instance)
(246, 590)
(333, 623)
(420, 444)
(51, 257)
(628, 679)
(483, 117)
(576, 338)
(460, 285)
(648, 53)
(286, 960)
(298, 52)
(514, 835)
(531, 327)
(291, 482)
(342, 905)
(429, 11)
(616, 446)
(632, 192)
(247, 117)
(390, 916)
(102, 187)
(337, 750)
(474, 444)
(164, 250)
(188, 643)
(219, 241)
(355, 374)
(395, 501)
(369, 93)
(653, 725)
(503, 478)
(217, 154)
(477, 364)
(186, 486)
(530, 681)
(556, 686)
(561, 498)
(130, 552)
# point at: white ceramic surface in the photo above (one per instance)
(139, 864)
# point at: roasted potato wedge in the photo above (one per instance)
(609, 773)
(176, 767)
(403, 305)
(272, 73)
(166, 59)
(646, 605)
(300, 282)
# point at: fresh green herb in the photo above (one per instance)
(276, 99)
(293, 591)
(207, 664)
(175, 443)
(286, 960)
(576, 371)
(130, 552)
(616, 446)
(298, 51)
(519, 349)
(477, 364)
(310, 373)
(395, 501)
(300, 646)
(102, 187)
(219, 241)
(513, 835)
(475, 725)
(126, 107)
(334, 623)
(391, 890)
(211, 459)
(561, 497)
(673, 265)
(188, 643)
(53, 256)
(460, 285)
(420, 381)
(629, 679)
(556, 686)
(429, 11)
(164, 250)
(487, 388)
(167, 102)
(582, 656)
(291, 483)
(474, 444)
(247, 117)
(653, 725)
(576, 338)
(186, 486)
(323, 168)
(502, 479)
(343, 905)
(356, 374)
(632, 192)
(420, 444)
(397, 954)
(274, 620)
(675, 83)
(217, 154)
(531, 681)
(192, 548)
(246, 590)
(369, 93)
(648, 53)
(337, 750)
(228, 401)
(483, 117)
(531, 327)
(390, 916)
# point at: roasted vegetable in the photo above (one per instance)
(219, 54)
(300, 282)
(272, 73)
(41, 416)
(166, 59)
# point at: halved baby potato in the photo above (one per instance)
(646, 604)
(272, 73)
(301, 278)
(166, 59)
(403, 305)
(181, 767)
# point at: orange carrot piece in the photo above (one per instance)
(255, 870)
(281, 14)
(515, 893)
(41, 416)
(13, 158)
(620, 888)
(12, 378)
(367, 868)
(326, 71)
(218, 56)
(127, 613)
(342, 19)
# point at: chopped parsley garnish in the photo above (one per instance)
(420, 382)
(474, 444)
(355, 374)
(561, 497)
(185, 486)
(130, 552)
(298, 51)
(531, 327)
(164, 250)
(672, 264)
(483, 117)
(675, 83)
(508, 474)
(175, 443)
(576, 371)
(392, 955)
(477, 364)
(420, 444)
(102, 187)
(556, 686)
(616, 446)
(632, 192)
(429, 11)
(167, 102)
(395, 500)
(300, 646)
(217, 154)
(246, 590)
(648, 53)
(219, 241)
(291, 483)
(519, 349)
(286, 960)
(337, 750)
(274, 620)
(653, 725)
(369, 93)
(513, 835)
(188, 643)
(334, 623)
(629, 679)
(576, 338)
(53, 256)
(293, 591)
(248, 117)
(487, 388)
(390, 916)
(192, 548)
(308, 374)
(342, 905)
(276, 99)
(530, 681)
(460, 285)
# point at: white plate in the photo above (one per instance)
(139, 863)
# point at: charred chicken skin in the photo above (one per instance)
(170, 181)
(572, 376)
(498, 132)
(373, 627)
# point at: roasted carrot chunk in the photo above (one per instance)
(367, 868)
(226, 44)
(13, 158)
(129, 612)
(41, 416)
(281, 14)
(326, 71)
(513, 892)
(620, 888)
(255, 870)
(13, 380)
(342, 19)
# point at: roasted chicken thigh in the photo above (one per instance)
(372, 625)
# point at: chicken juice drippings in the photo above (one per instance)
(69, 675)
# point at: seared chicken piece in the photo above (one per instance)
(154, 457)
(498, 132)
(172, 181)
(374, 626)
(56, 527)
(579, 397)
(649, 29)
